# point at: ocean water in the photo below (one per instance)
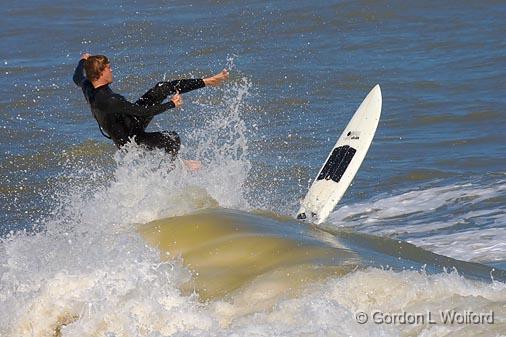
(100, 242)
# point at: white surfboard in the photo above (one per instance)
(343, 161)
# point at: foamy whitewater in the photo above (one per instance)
(85, 270)
(481, 236)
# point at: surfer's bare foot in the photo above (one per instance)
(216, 79)
(193, 165)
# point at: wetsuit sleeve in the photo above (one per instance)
(79, 74)
(119, 104)
(161, 90)
(185, 85)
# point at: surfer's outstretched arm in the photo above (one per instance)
(161, 90)
(186, 85)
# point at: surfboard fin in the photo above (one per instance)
(301, 216)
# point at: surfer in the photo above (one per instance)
(123, 121)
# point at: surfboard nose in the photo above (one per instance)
(376, 90)
(375, 96)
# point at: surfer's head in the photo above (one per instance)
(98, 69)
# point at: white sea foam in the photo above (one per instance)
(460, 221)
(128, 292)
(487, 244)
(329, 309)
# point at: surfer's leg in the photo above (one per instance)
(169, 141)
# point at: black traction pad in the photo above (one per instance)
(337, 164)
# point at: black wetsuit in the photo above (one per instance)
(121, 120)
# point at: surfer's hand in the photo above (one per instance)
(193, 165)
(216, 79)
(85, 56)
(177, 99)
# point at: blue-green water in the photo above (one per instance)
(434, 176)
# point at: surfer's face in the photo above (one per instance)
(107, 74)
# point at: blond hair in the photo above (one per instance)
(94, 66)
